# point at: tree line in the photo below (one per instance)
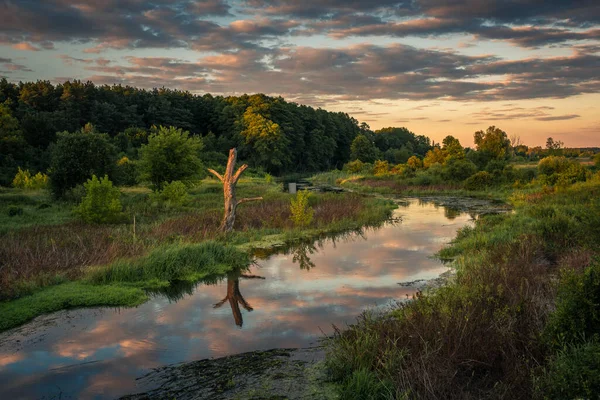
(270, 133)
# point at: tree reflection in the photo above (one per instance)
(451, 213)
(234, 296)
(301, 256)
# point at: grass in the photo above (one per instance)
(482, 336)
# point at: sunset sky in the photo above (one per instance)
(438, 67)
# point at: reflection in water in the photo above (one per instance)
(295, 294)
(235, 296)
(301, 257)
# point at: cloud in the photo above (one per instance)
(10, 66)
(558, 117)
(363, 72)
(25, 46)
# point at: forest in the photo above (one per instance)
(276, 136)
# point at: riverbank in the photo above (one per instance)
(53, 262)
(522, 302)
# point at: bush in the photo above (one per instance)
(174, 193)
(354, 167)
(577, 313)
(381, 167)
(24, 180)
(101, 203)
(268, 178)
(170, 155)
(13, 211)
(597, 160)
(554, 165)
(415, 163)
(573, 374)
(479, 181)
(458, 170)
(126, 172)
(75, 157)
(302, 213)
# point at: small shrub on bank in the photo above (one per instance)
(101, 203)
(302, 212)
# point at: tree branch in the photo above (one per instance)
(219, 304)
(239, 172)
(240, 201)
(215, 173)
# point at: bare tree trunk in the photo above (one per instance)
(230, 180)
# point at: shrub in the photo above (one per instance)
(478, 181)
(77, 156)
(381, 167)
(24, 180)
(302, 212)
(170, 155)
(174, 193)
(577, 311)
(268, 178)
(101, 203)
(554, 165)
(415, 162)
(458, 170)
(573, 374)
(126, 172)
(597, 160)
(13, 211)
(561, 171)
(402, 170)
(354, 167)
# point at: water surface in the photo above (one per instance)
(290, 299)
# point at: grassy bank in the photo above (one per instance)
(520, 320)
(50, 261)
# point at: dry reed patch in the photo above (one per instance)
(63, 249)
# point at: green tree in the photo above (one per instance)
(597, 160)
(452, 147)
(101, 203)
(170, 155)
(494, 142)
(265, 141)
(363, 149)
(75, 157)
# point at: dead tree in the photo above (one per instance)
(230, 180)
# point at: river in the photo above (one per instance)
(289, 299)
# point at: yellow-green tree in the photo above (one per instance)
(494, 142)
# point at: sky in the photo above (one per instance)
(437, 67)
